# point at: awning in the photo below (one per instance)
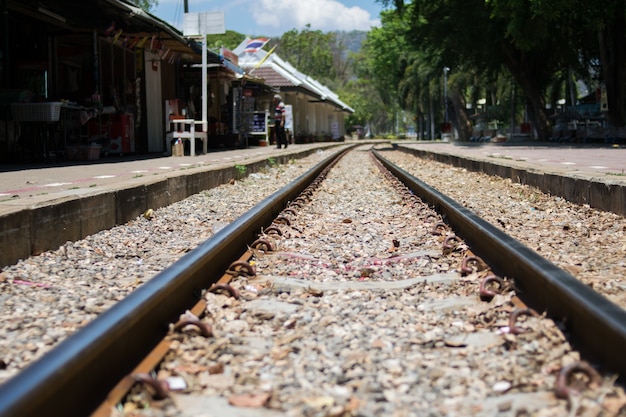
(232, 67)
(113, 18)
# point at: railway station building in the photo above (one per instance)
(315, 113)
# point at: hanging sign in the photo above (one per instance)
(204, 23)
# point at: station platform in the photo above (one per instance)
(43, 206)
(20, 181)
(594, 175)
(53, 180)
(599, 162)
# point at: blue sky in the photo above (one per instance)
(275, 17)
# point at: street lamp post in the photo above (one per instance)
(445, 92)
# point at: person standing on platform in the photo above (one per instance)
(279, 120)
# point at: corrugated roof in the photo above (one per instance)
(81, 17)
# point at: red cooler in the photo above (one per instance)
(122, 133)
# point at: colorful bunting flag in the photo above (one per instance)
(117, 35)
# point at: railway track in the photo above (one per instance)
(382, 298)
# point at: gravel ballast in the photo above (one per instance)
(358, 312)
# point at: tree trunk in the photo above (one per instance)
(537, 113)
(523, 76)
(461, 120)
(431, 116)
(612, 43)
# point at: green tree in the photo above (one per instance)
(147, 5)
(229, 40)
(543, 45)
(361, 95)
(535, 50)
(309, 51)
(597, 35)
(385, 56)
(383, 62)
(485, 37)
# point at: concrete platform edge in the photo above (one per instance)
(48, 224)
(597, 194)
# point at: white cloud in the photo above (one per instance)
(274, 17)
(267, 19)
(324, 15)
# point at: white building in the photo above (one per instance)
(317, 111)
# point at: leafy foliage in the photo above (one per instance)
(496, 48)
(309, 51)
(229, 40)
(146, 4)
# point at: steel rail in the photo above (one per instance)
(74, 378)
(594, 324)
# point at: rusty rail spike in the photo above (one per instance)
(432, 218)
(205, 329)
(439, 228)
(513, 319)
(241, 268)
(262, 244)
(300, 200)
(273, 230)
(451, 243)
(215, 288)
(564, 390)
(161, 388)
(289, 210)
(486, 291)
(282, 220)
(473, 263)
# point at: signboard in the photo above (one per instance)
(334, 129)
(258, 122)
(289, 117)
(204, 23)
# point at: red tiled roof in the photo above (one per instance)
(271, 77)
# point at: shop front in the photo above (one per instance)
(253, 123)
(78, 79)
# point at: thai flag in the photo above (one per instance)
(255, 44)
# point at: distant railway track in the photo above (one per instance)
(89, 365)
